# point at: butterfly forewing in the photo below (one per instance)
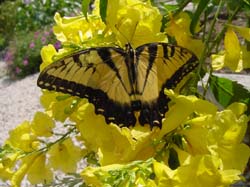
(98, 74)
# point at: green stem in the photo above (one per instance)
(60, 139)
(217, 41)
(207, 40)
(220, 36)
(64, 136)
(206, 44)
(181, 7)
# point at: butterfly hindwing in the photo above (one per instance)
(160, 66)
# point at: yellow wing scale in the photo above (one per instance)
(103, 76)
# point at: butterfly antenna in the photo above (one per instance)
(133, 33)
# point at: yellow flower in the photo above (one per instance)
(5, 172)
(232, 49)
(194, 143)
(135, 173)
(39, 172)
(127, 144)
(226, 137)
(164, 175)
(56, 104)
(179, 29)
(23, 169)
(42, 124)
(235, 56)
(9, 159)
(64, 156)
(243, 31)
(23, 138)
(47, 54)
(203, 170)
(135, 22)
(77, 30)
(185, 105)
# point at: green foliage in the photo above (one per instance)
(196, 18)
(127, 176)
(23, 55)
(227, 91)
(7, 21)
(173, 160)
(103, 9)
(85, 7)
(21, 26)
(32, 14)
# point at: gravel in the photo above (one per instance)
(19, 100)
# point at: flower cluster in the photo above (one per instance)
(235, 56)
(198, 145)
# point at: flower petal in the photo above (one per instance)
(42, 124)
(233, 50)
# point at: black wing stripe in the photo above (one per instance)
(114, 112)
(106, 57)
(165, 51)
(186, 68)
(172, 52)
(152, 50)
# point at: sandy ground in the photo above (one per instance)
(19, 100)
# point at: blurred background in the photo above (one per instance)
(26, 26)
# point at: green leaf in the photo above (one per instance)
(62, 97)
(201, 7)
(169, 7)
(227, 91)
(232, 4)
(103, 9)
(85, 8)
(70, 109)
(173, 160)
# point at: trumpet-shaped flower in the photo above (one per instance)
(114, 144)
(77, 30)
(135, 22)
(232, 49)
(47, 54)
(27, 162)
(226, 140)
(42, 124)
(5, 172)
(203, 170)
(64, 156)
(179, 29)
(235, 56)
(56, 105)
(23, 138)
(39, 172)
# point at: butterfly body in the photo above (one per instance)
(122, 82)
